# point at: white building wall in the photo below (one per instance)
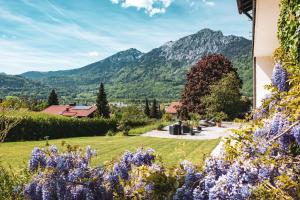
(264, 69)
(265, 42)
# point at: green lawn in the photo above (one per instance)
(172, 151)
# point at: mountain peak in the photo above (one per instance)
(132, 52)
(208, 31)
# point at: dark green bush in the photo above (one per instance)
(35, 126)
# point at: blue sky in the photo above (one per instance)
(45, 35)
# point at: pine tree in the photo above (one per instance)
(147, 109)
(102, 103)
(154, 110)
(53, 99)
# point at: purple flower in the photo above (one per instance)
(53, 149)
(280, 78)
(264, 173)
(260, 113)
(89, 152)
(127, 157)
(295, 131)
(38, 159)
(48, 190)
(259, 133)
(143, 157)
(113, 180)
(149, 188)
(122, 170)
(278, 124)
(285, 141)
(183, 193)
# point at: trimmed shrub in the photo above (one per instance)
(35, 126)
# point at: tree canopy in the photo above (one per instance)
(202, 75)
(225, 96)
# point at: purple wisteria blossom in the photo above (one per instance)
(280, 78)
(296, 133)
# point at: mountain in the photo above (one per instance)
(159, 73)
(18, 85)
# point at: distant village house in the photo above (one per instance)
(173, 108)
(71, 111)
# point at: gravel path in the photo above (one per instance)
(207, 133)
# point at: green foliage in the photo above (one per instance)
(133, 113)
(224, 96)
(160, 127)
(22, 102)
(167, 117)
(111, 133)
(124, 127)
(220, 116)
(35, 126)
(53, 99)
(6, 123)
(12, 182)
(288, 28)
(13, 102)
(102, 103)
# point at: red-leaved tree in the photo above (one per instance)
(206, 72)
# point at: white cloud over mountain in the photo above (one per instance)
(151, 7)
(93, 54)
(209, 3)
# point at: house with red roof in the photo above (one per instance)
(173, 108)
(71, 111)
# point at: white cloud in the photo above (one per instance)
(209, 3)
(115, 1)
(151, 7)
(93, 54)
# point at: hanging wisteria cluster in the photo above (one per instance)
(280, 77)
(68, 175)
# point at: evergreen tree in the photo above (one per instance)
(53, 99)
(154, 110)
(102, 103)
(147, 109)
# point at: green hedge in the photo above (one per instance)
(35, 126)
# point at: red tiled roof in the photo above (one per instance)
(173, 108)
(70, 111)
